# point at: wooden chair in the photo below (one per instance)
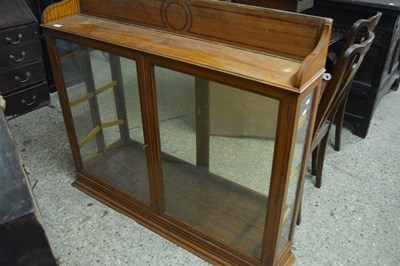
(333, 96)
(359, 32)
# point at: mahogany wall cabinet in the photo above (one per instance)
(193, 117)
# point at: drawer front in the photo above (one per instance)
(20, 54)
(27, 100)
(17, 78)
(19, 35)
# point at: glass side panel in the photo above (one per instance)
(217, 146)
(297, 161)
(103, 96)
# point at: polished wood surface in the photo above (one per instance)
(268, 52)
(269, 69)
(242, 26)
(60, 10)
(294, 39)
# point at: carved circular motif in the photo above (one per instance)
(176, 15)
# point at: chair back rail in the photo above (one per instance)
(342, 76)
(361, 29)
(359, 32)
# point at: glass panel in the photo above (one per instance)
(297, 161)
(217, 146)
(103, 95)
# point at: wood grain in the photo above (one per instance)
(244, 26)
(265, 68)
(267, 52)
(60, 10)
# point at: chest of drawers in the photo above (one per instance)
(23, 81)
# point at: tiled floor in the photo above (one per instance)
(352, 220)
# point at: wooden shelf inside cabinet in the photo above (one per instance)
(189, 118)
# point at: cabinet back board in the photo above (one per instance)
(276, 32)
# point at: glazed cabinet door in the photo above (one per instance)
(217, 146)
(106, 115)
(198, 154)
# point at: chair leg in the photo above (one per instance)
(314, 158)
(299, 213)
(339, 120)
(320, 160)
(339, 124)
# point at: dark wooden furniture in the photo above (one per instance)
(358, 33)
(23, 80)
(37, 7)
(289, 5)
(23, 240)
(337, 89)
(162, 128)
(380, 71)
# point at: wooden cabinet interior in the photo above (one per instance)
(153, 130)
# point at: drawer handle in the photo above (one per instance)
(28, 77)
(21, 58)
(32, 102)
(10, 41)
